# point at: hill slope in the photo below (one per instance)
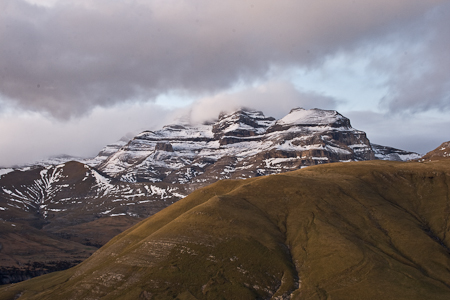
(441, 152)
(364, 230)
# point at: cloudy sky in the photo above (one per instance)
(77, 75)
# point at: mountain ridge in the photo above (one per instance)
(261, 145)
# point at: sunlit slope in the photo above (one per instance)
(366, 230)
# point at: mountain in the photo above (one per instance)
(389, 153)
(243, 144)
(47, 209)
(87, 203)
(359, 230)
(443, 151)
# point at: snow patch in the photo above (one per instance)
(5, 171)
(302, 116)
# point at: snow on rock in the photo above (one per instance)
(205, 153)
(389, 153)
(75, 188)
(5, 171)
(300, 116)
(156, 168)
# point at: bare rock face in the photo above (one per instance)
(164, 147)
(250, 143)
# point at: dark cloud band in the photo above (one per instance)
(69, 58)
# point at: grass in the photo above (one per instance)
(366, 230)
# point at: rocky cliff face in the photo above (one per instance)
(243, 144)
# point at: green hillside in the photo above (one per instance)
(366, 230)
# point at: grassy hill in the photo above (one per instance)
(366, 230)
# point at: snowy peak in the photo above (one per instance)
(300, 117)
(178, 132)
(312, 117)
(241, 144)
(240, 124)
(247, 119)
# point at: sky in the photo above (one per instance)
(78, 75)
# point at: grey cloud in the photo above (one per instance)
(419, 73)
(29, 137)
(69, 58)
(414, 132)
(274, 98)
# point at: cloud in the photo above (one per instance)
(274, 98)
(419, 132)
(29, 137)
(32, 136)
(419, 79)
(70, 57)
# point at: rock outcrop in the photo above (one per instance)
(243, 144)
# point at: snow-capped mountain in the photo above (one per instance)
(243, 144)
(90, 201)
(126, 178)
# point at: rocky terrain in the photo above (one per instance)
(243, 144)
(359, 230)
(84, 204)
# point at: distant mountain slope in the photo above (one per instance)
(77, 190)
(26, 252)
(363, 230)
(443, 151)
(389, 153)
(67, 204)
